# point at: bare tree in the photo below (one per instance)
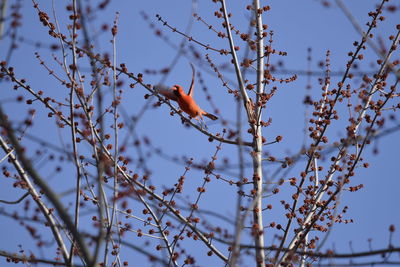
(93, 186)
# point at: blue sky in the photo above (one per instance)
(297, 26)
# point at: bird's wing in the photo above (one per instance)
(191, 88)
(165, 91)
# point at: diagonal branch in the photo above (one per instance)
(48, 192)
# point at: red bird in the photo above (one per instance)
(186, 101)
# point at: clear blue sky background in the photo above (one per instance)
(297, 26)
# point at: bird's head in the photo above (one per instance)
(178, 90)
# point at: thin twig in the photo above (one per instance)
(358, 28)
(15, 201)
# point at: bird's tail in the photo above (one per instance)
(211, 116)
